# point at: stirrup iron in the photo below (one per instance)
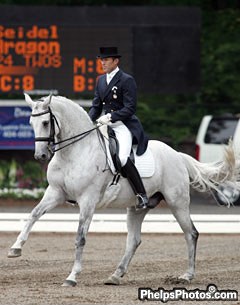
(142, 202)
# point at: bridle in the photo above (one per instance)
(51, 138)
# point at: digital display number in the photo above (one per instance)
(83, 67)
(9, 83)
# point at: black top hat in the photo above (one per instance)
(108, 52)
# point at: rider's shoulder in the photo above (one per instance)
(126, 76)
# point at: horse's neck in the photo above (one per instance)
(72, 118)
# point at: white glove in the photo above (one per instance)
(105, 119)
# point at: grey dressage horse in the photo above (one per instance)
(77, 171)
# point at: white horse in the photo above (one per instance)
(77, 172)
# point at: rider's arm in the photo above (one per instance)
(96, 108)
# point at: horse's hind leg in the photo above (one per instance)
(134, 223)
(182, 215)
(50, 200)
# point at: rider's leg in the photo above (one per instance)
(136, 182)
(124, 137)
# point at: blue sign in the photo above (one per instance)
(15, 130)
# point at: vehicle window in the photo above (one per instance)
(220, 130)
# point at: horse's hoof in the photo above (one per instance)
(176, 280)
(112, 280)
(14, 252)
(186, 278)
(69, 283)
(183, 281)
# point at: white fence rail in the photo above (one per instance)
(107, 223)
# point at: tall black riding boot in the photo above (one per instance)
(132, 174)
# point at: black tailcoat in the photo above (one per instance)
(119, 98)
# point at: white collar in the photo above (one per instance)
(112, 74)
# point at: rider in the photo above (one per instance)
(115, 95)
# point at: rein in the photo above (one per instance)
(82, 135)
(51, 138)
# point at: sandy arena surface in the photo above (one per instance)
(36, 277)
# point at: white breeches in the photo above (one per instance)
(124, 137)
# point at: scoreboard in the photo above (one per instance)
(54, 48)
(53, 58)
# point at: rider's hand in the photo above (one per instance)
(105, 119)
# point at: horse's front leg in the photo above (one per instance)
(51, 199)
(86, 213)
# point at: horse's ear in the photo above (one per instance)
(47, 101)
(28, 100)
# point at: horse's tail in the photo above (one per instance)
(207, 176)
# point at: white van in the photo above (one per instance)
(213, 135)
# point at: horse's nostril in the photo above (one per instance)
(44, 156)
(41, 157)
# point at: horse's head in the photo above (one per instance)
(43, 124)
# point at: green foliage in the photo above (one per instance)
(170, 118)
(4, 169)
(221, 61)
(28, 175)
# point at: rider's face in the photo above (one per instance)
(109, 64)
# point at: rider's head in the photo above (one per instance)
(110, 58)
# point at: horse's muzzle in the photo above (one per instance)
(43, 152)
(41, 157)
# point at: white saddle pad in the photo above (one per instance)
(144, 163)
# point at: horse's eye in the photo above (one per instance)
(45, 123)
